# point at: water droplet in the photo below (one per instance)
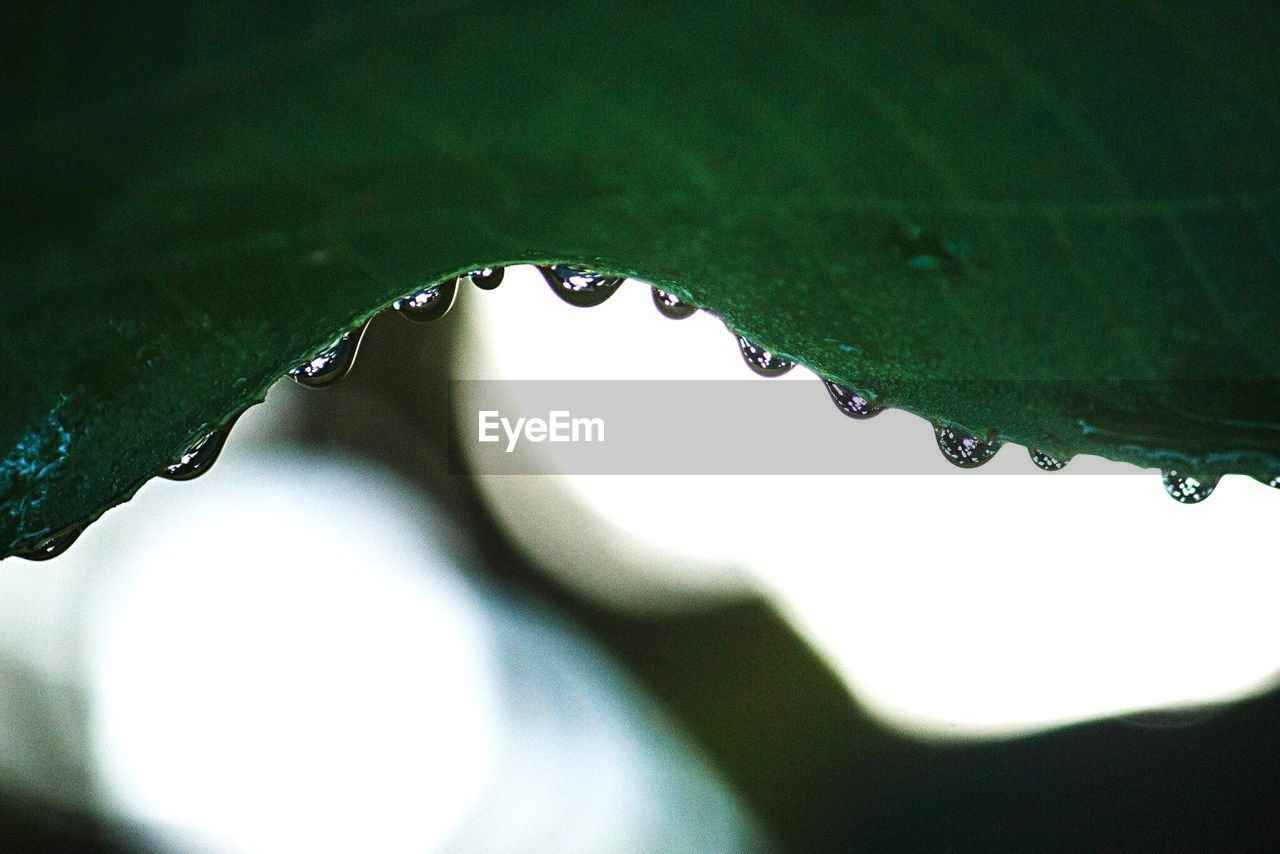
(1186, 489)
(851, 403)
(54, 544)
(1274, 483)
(672, 306)
(580, 287)
(1048, 462)
(962, 448)
(486, 278)
(201, 456)
(333, 362)
(762, 361)
(429, 303)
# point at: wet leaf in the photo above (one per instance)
(1056, 226)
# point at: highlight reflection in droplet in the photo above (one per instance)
(1048, 462)
(429, 303)
(762, 361)
(851, 403)
(1186, 489)
(486, 278)
(578, 287)
(201, 456)
(962, 448)
(54, 544)
(332, 363)
(671, 306)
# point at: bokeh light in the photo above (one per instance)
(953, 605)
(299, 652)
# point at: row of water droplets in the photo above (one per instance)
(584, 289)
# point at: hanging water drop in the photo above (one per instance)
(333, 362)
(429, 303)
(54, 544)
(851, 403)
(579, 287)
(762, 361)
(672, 306)
(1186, 489)
(201, 456)
(962, 448)
(1274, 483)
(486, 278)
(1048, 462)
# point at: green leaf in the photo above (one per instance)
(1055, 225)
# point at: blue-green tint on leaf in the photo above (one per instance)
(1055, 224)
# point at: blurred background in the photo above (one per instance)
(340, 638)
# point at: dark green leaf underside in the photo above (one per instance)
(1058, 225)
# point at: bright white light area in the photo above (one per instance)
(952, 605)
(289, 661)
(290, 654)
(641, 558)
